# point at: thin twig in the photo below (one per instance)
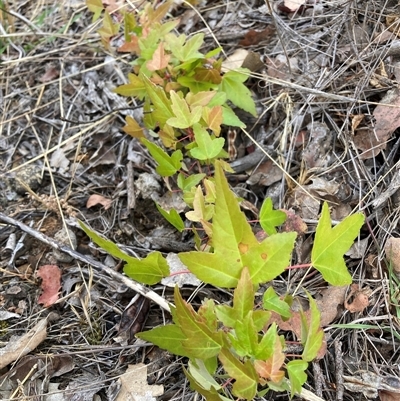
(153, 296)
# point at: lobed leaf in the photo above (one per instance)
(330, 244)
(272, 302)
(208, 148)
(201, 341)
(149, 270)
(172, 217)
(167, 165)
(168, 337)
(270, 218)
(297, 375)
(232, 84)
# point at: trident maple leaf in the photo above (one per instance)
(235, 245)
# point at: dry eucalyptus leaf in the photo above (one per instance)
(23, 345)
(387, 120)
(392, 250)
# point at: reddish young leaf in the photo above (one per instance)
(160, 59)
(270, 368)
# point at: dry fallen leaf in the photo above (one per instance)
(359, 299)
(51, 73)
(19, 346)
(387, 120)
(331, 298)
(98, 200)
(253, 37)
(235, 60)
(392, 250)
(134, 385)
(51, 366)
(51, 284)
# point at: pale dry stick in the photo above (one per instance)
(153, 296)
(338, 370)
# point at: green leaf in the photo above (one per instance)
(149, 270)
(96, 7)
(162, 105)
(189, 50)
(200, 98)
(185, 184)
(237, 92)
(172, 217)
(330, 244)
(201, 341)
(272, 302)
(199, 372)
(244, 338)
(230, 118)
(270, 218)
(207, 148)
(184, 117)
(135, 88)
(245, 376)
(235, 245)
(268, 342)
(168, 165)
(201, 212)
(195, 86)
(313, 335)
(297, 375)
(167, 337)
(243, 302)
(269, 258)
(203, 385)
(108, 29)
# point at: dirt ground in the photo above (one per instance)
(325, 79)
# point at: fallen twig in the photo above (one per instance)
(153, 296)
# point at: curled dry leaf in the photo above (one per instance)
(359, 299)
(294, 223)
(98, 200)
(51, 284)
(133, 318)
(51, 73)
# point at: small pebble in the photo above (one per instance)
(66, 239)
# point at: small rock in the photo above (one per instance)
(65, 237)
